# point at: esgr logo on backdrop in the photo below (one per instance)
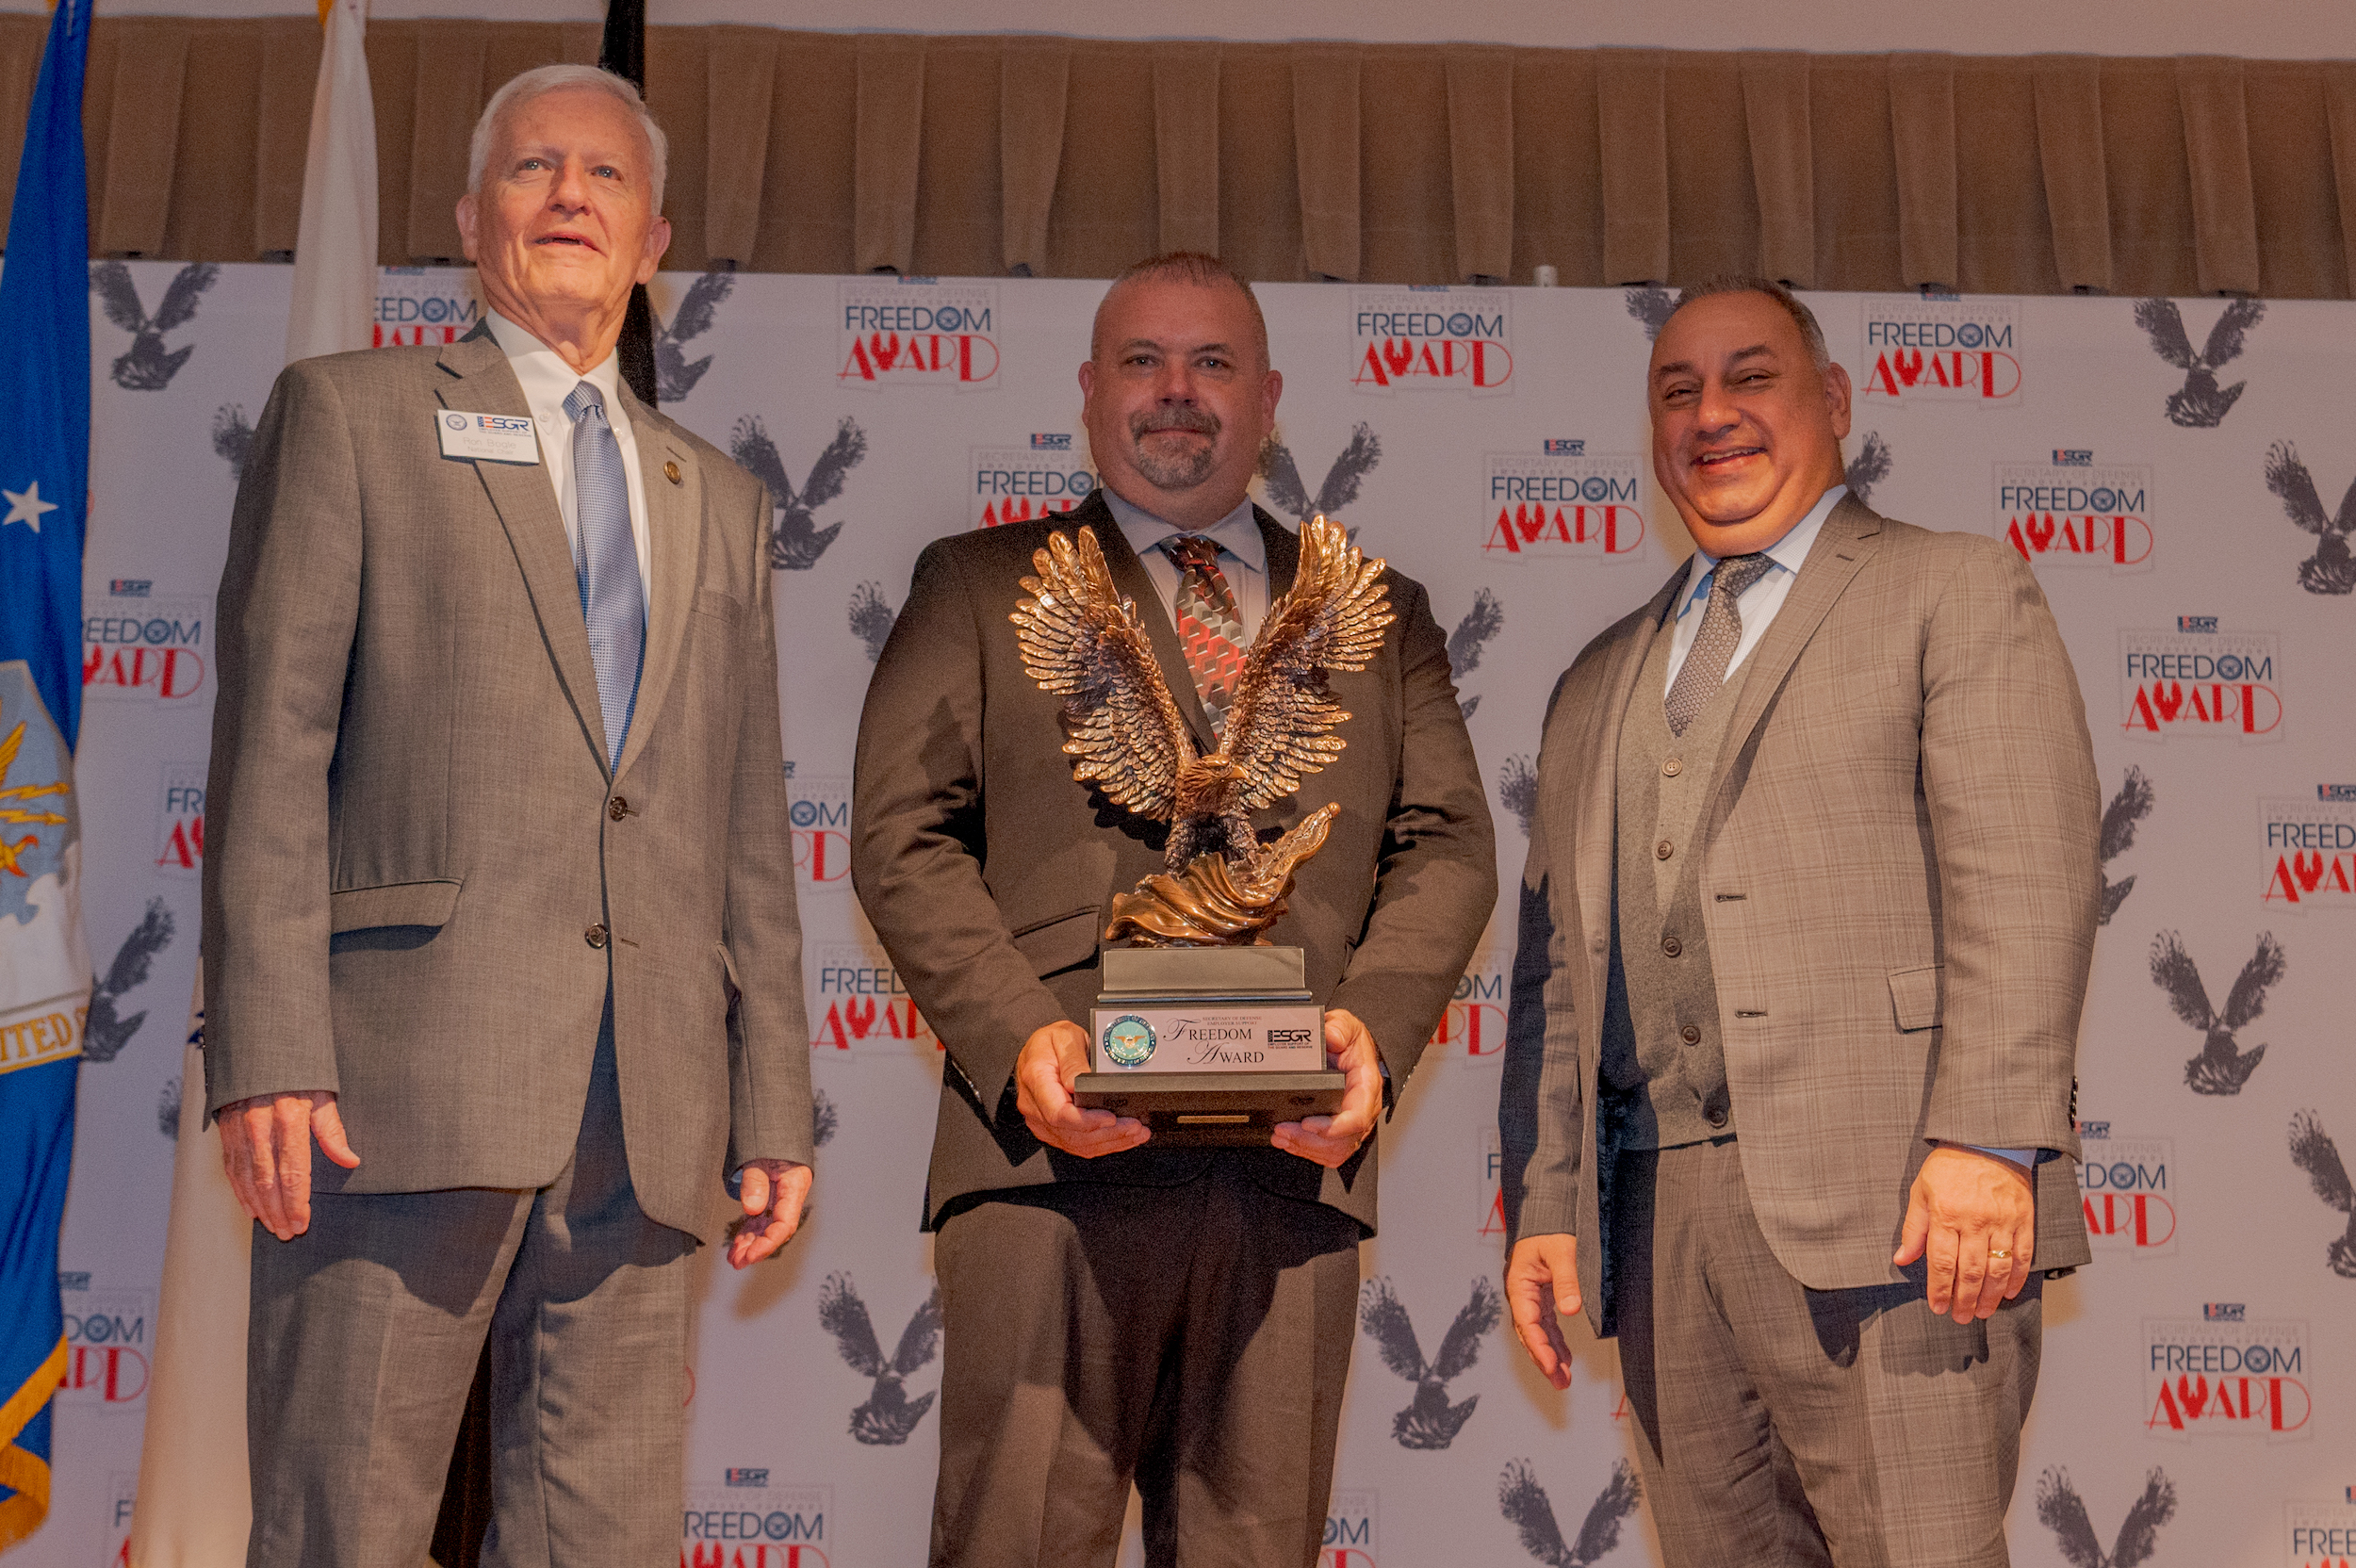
(1431, 337)
(1949, 350)
(1014, 484)
(1561, 508)
(2088, 517)
(2226, 1378)
(137, 646)
(2199, 682)
(2310, 850)
(915, 332)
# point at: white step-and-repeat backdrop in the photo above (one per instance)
(2181, 476)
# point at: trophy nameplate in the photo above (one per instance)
(1212, 1045)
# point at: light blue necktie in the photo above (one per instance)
(612, 600)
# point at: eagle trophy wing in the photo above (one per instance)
(1332, 618)
(1083, 641)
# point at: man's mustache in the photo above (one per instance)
(1199, 420)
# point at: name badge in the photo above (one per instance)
(495, 437)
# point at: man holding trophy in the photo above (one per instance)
(1081, 780)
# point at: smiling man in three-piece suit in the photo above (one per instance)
(1805, 935)
(499, 900)
(1116, 1312)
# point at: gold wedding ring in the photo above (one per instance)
(1998, 1253)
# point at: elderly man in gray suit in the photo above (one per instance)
(1805, 934)
(499, 903)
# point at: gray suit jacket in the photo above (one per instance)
(413, 831)
(985, 867)
(1898, 882)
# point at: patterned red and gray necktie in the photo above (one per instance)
(1209, 628)
(1705, 668)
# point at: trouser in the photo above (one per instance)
(366, 1330)
(1779, 1425)
(1193, 1340)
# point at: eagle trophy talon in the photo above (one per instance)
(1083, 641)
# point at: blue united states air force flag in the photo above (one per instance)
(44, 967)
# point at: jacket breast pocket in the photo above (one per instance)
(1917, 996)
(1059, 942)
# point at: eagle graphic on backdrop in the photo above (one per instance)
(1517, 788)
(1868, 468)
(675, 376)
(2312, 1152)
(1431, 1422)
(2330, 570)
(1281, 476)
(1484, 620)
(2120, 819)
(889, 1415)
(2223, 1066)
(107, 1031)
(2063, 1512)
(2201, 404)
(1083, 641)
(1525, 1505)
(146, 366)
(795, 540)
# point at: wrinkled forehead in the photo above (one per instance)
(1174, 308)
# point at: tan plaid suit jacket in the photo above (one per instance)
(1898, 880)
(414, 830)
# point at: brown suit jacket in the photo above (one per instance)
(1898, 881)
(985, 867)
(412, 826)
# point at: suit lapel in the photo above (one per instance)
(673, 536)
(480, 382)
(1130, 577)
(1847, 540)
(1598, 773)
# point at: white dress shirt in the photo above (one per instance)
(547, 381)
(1758, 605)
(1243, 558)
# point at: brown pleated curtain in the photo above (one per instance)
(798, 151)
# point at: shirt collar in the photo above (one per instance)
(1787, 553)
(1237, 534)
(547, 381)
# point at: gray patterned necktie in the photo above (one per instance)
(1705, 668)
(612, 600)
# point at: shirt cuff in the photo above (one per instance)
(2024, 1157)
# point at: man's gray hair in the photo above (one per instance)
(1803, 317)
(545, 79)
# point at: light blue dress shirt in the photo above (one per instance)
(1243, 558)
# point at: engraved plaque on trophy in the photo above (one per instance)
(1203, 1030)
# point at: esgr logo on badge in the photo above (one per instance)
(1431, 338)
(2227, 1380)
(2123, 1187)
(2195, 683)
(2310, 852)
(867, 1008)
(782, 1527)
(1350, 1531)
(914, 332)
(1014, 484)
(2319, 1535)
(2088, 517)
(821, 819)
(1950, 350)
(1535, 508)
(153, 649)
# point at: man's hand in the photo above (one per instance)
(1965, 1207)
(1051, 1062)
(773, 1192)
(1541, 1282)
(265, 1148)
(1331, 1139)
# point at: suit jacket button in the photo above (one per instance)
(594, 935)
(1715, 1117)
(1690, 1034)
(670, 471)
(617, 807)
(1672, 946)
(1663, 850)
(1672, 767)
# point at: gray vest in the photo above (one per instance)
(1663, 1066)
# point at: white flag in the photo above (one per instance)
(334, 272)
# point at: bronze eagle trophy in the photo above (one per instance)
(1083, 641)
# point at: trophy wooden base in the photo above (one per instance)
(1220, 1110)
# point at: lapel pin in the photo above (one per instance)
(670, 471)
